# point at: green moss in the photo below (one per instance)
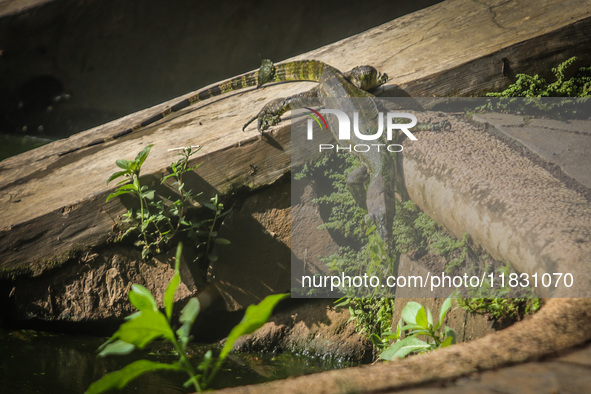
(575, 91)
(579, 85)
(501, 308)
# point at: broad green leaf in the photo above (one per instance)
(173, 285)
(399, 327)
(141, 298)
(419, 332)
(141, 157)
(129, 187)
(116, 175)
(124, 164)
(188, 316)
(120, 378)
(341, 302)
(193, 168)
(117, 348)
(254, 317)
(421, 318)
(168, 298)
(429, 317)
(411, 327)
(167, 177)
(409, 312)
(402, 348)
(144, 328)
(444, 309)
(209, 206)
(149, 195)
(117, 193)
(447, 341)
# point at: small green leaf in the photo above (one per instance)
(167, 177)
(222, 241)
(117, 193)
(399, 327)
(209, 206)
(149, 195)
(254, 317)
(421, 318)
(171, 289)
(188, 316)
(429, 317)
(402, 348)
(341, 302)
(444, 309)
(116, 175)
(141, 298)
(168, 299)
(123, 164)
(120, 378)
(447, 341)
(410, 311)
(117, 348)
(141, 157)
(144, 328)
(127, 188)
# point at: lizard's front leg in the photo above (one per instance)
(270, 114)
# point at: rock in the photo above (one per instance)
(95, 287)
(257, 263)
(315, 328)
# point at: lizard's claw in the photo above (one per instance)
(265, 120)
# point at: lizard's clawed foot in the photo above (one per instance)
(269, 116)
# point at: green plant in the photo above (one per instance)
(419, 322)
(372, 316)
(575, 91)
(131, 170)
(158, 222)
(149, 324)
(501, 308)
(579, 85)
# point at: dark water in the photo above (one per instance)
(37, 362)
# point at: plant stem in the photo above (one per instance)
(187, 364)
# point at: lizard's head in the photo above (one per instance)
(266, 73)
(366, 77)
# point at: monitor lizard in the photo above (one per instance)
(378, 166)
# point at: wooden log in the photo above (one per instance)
(52, 207)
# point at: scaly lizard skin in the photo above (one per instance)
(377, 165)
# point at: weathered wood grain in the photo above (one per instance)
(52, 206)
